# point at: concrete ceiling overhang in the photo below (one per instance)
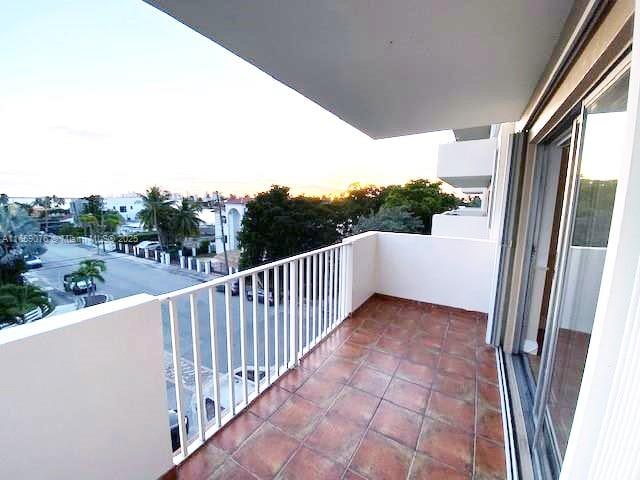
(391, 68)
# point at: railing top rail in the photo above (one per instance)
(230, 278)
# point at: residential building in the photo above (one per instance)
(388, 355)
(231, 221)
(128, 206)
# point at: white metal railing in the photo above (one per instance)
(303, 299)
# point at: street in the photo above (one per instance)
(127, 275)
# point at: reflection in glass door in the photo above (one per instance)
(591, 187)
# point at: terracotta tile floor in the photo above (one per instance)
(400, 390)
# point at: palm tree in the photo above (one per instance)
(17, 300)
(185, 220)
(157, 209)
(89, 271)
(89, 222)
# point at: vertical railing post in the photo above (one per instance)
(195, 339)
(215, 366)
(347, 290)
(177, 370)
(293, 323)
(243, 341)
(285, 316)
(300, 307)
(254, 314)
(265, 293)
(276, 316)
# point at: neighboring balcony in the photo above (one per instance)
(469, 164)
(463, 222)
(365, 357)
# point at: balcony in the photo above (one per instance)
(468, 164)
(401, 389)
(364, 359)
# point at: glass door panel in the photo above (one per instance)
(594, 182)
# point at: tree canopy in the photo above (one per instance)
(389, 219)
(17, 300)
(422, 198)
(277, 225)
(172, 222)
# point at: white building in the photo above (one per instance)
(232, 214)
(126, 205)
(520, 348)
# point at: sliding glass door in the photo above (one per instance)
(581, 249)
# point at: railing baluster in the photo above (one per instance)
(325, 293)
(229, 325)
(300, 308)
(265, 289)
(336, 286)
(293, 323)
(243, 341)
(285, 317)
(214, 353)
(308, 300)
(331, 268)
(256, 386)
(195, 339)
(276, 316)
(314, 286)
(343, 252)
(177, 372)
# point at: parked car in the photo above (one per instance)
(77, 286)
(32, 261)
(209, 403)
(235, 288)
(150, 244)
(260, 294)
(175, 432)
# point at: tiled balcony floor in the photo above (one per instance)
(400, 390)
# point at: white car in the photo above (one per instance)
(150, 244)
(32, 261)
(207, 388)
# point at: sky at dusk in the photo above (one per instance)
(111, 97)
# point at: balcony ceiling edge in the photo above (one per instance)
(391, 68)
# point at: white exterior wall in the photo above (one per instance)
(464, 226)
(234, 211)
(455, 272)
(132, 204)
(467, 164)
(365, 269)
(83, 395)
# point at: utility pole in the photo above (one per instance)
(224, 242)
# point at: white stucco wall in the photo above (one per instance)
(365, 259)
(234, 212)
(83, 395)
(456, 272)
(465, 226)
(132, 204)
(467, 164)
